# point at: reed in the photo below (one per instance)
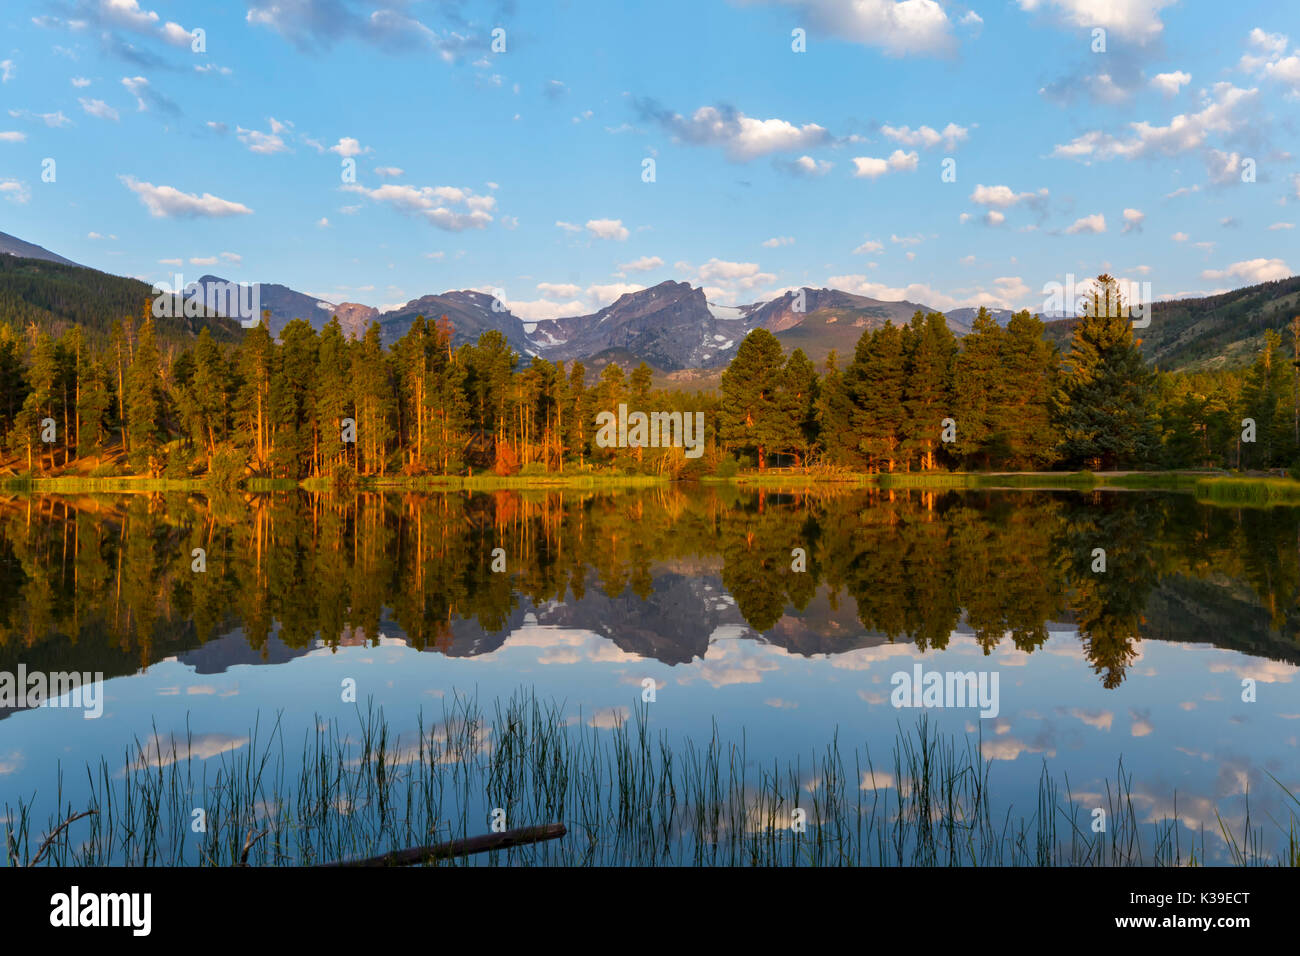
(627, 795)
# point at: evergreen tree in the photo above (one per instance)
(144, 403)
(979, 400)
(929, 349)
(874, 382)
(1105, 403)
(802, 388)
(756, 414)
(834, 415)
(1029, 368)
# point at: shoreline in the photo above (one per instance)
(1210, 486)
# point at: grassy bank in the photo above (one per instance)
(626, 794)
(1213, 489)
(1260, 492)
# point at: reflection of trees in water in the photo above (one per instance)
(107, 581)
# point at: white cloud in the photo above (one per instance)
(13, 136)
(323, 223)
(1222, 167)
(1270, 63)
(1133, 220)
(1003, 196)
(14, 191)
(136, 86)
(167, 202)
(1226, 112)
(263, 143)
(447, 207)
(868, 247)
(1170, 83)
(347, 146)
(777, 241)
(1092, 224)
(741, 137)
(807, 166)
(389, 171)
(898, 27)
(1136, 20)
(607, 229)
(176, 35)
(80, 82)
(644, 264)
(568, 226)
(7, 70)
(98, 108)
(1281, 225)
(1251, 270)
(127, 13)
(1179, 237)
(559, 290)
(868, 167)
(926, 136)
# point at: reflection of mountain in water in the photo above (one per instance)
(106, 585)
(233, 650)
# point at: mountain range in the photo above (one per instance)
(672, 326)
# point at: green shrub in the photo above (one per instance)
(227, 469)
(728, 467)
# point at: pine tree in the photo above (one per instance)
(1105, 404)
(1027, 436)
(802, 388)
(874, 382)
(834, 415)
(929, 348)
(1265, 391)
(144, 402)
(332, 397)
(756, 414)
(256, 361)
(979, 380)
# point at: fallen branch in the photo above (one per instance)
(57, 830)
(462, 847)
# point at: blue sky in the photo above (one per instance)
(522, 169)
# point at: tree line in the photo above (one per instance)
(112, 585)
(913, 397)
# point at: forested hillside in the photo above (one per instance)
(54, 297)
(910, 397)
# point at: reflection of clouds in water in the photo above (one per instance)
(452, 741)
(566, 646)
(734, 662)
(1096, 719)
(1010, 748)
(1142, 725)
(608, 718)
(1236, 780)
(877, 780)
(781, 704)
(1264, 672)
(872, 698)
(158, 751)
(11, 763)
(862, 658)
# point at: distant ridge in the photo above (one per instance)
(13, 246)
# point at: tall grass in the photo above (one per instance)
(1261, 492)
(627, 796)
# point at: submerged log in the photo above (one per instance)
(462, 847)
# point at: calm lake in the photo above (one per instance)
(1179, 658)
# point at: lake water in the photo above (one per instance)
(1179, 658)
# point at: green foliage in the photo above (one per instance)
(1105, 406)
